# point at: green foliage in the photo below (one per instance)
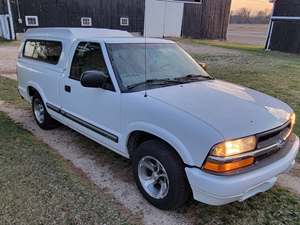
(9, 43)
(274, 207)
(9, 92)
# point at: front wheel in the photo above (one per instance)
(41, 116)
(160, 176)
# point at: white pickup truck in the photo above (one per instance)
(186, 133)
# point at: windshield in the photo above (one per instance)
(163, 62)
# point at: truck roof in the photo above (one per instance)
(75, 33)
(108, 35)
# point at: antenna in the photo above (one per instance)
(145, 36)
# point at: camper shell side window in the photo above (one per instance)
(43, 50)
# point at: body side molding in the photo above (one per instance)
(98, 130)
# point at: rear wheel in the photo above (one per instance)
(160, 176)
(41, 116)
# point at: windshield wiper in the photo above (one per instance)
(194, 77)
(154, 82)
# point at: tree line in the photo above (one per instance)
(245, 15)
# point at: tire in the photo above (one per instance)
(40, 114)
(178, 191)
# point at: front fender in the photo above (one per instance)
(163, 134)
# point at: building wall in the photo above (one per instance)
(2, 7)
(286, 34)
(104, 13)
(192, 18)
(287, 8)
(208, 20)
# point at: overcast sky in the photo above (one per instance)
(254, 5)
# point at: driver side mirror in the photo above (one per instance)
(93, 79)
(204, 66)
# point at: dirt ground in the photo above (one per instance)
(8, 55)
(255, 34)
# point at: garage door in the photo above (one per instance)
(4, 27)
(163, 18)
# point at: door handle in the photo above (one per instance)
(67, 88)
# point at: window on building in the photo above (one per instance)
(32, 21)
(42, 50)
(124, 21)
(86, 21)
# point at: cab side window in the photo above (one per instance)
(88, 56)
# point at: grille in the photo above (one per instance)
(276, 137)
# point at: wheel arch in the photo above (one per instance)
(143, 132)
(33, 88)
(32, 91)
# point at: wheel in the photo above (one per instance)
(160, 175)
(41, 116)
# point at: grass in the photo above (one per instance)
(9, 43)
(38, 187)
(9, 93)
(228, 45)
(274, 207)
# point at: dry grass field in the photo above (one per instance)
(255, 34)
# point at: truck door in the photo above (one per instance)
(94, 112)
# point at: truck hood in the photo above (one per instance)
(232, 110)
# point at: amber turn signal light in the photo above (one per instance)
(218, 167)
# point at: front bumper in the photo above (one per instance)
(220, 190)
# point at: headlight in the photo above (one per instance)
(235, 147)
(215, 162)
(293, 119)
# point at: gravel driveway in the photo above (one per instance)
(8, 55)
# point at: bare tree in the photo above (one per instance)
(262, 16)
(245, 15)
